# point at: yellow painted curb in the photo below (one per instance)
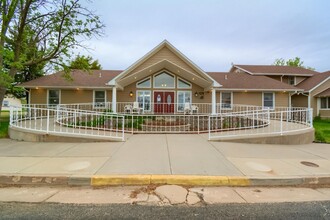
(238, 181)
(190, 180)
(115, 180)
(187, 180)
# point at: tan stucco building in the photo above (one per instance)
(164, 80)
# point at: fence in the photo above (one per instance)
(64, 121)
(160, 108)
(84, 120)
(262, 122)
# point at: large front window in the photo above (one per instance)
(99, 99)
(268, 100)
(164, 80)
(144, 100)
(226, 100)
(183, 98)
(53, 97)
(325, 103)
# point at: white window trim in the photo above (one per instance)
(263, 107)
(231, 100)
(105, 99)
(327, 103)
(177, 98)
(151, 96)
(177, 83)
(143, 87)
(59, 96)
(163, 71)
(294, 80)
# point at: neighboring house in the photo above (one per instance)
(10, 100)
(165, 75)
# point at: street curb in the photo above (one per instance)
(184, 180)
(196, 180)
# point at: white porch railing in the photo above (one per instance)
(264, 122)
(71, 122)
(90, 120)
(160, 108)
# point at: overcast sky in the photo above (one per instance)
(214, 33)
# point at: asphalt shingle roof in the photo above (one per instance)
(80, 78)
(276, 70)
(313, 81)
(233, 80)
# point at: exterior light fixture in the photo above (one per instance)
(131, 94)
(196, 94)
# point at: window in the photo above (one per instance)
(292, 80)
(164, 80)
(325, 103)
(5, 103)
(269, 100)
(145, 83)
(183, 97)
(144, 100)
(53, 97)
(182, 84)
(226, 100)
(99, 99)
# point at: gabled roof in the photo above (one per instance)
(165, 43)
(244, 81)
(314, 81)
(80, 78)
(325, 93)
(275, 70)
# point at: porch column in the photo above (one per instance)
(290, 94)
(214, 102)
(114, 100)
(309, 100)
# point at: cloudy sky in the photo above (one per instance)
(214, 33)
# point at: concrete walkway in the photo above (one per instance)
(163, 154)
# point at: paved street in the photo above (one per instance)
(292, 211)
(164, 154)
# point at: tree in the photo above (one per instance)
(291, 62)
(85, 63)
(53, 27)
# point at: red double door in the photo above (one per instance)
(163, 102)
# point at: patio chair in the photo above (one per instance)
(187, 108)
(194, 109)
(128, 109)
(136, 108)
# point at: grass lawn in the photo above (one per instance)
(4, 123)
(322, 130)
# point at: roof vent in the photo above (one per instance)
(100, 75)
(226, 77)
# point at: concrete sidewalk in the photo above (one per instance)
(162, 158)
